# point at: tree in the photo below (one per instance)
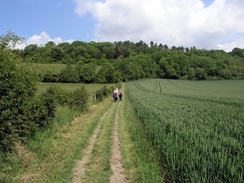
(92, 52)
(109, 51)
(86, 72)
(10, 40)
(201, 74)
(169, 68)
(31, 49)
(237, 52)
(108, 74)
(50, 44)
(166, 47)
(57, 54)
(156, 56)
(69, 74)
(191, 74)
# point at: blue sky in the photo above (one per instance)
(56, 17)
(206, 24)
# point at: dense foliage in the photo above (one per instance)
(22, 112)
(126, 61)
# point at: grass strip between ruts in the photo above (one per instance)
(99, 170)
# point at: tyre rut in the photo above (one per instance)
(118, 175)
(79, 172)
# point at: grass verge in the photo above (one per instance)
(56, 150)
(140, 159)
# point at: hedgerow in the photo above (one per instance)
(22, 111)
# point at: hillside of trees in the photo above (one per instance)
(126, 61)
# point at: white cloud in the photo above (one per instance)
(229, 46)
(42, 39)
(172, 22)
(83, 6)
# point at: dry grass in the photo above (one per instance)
(27, 157)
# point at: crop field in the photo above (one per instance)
(197, 126)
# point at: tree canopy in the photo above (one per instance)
(128, 61)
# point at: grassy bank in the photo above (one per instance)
(140, 159)
(51, 155)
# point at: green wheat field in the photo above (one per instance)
(196, 125)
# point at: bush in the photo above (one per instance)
(69, 75)
(99, 95)
(21, 112)
(17, 97)
(48, 108)
(48, 76)
(103, 93)
(61, 95)
(79, 99)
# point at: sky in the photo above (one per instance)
(205, 24)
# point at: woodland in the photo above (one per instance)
(106, 62)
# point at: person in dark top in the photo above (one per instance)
(120, 95)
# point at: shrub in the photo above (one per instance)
(17, 97)
(48, 76)
(21, 112)
(69, 75)
(79, 99)
(61, 95)
(47, 108)
(102, 93)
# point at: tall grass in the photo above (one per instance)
(15, 164)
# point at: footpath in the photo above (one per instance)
(107, 144)
(85, 164)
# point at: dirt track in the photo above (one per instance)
(118, 175)
(116, 159)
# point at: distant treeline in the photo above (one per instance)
(126, 61)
